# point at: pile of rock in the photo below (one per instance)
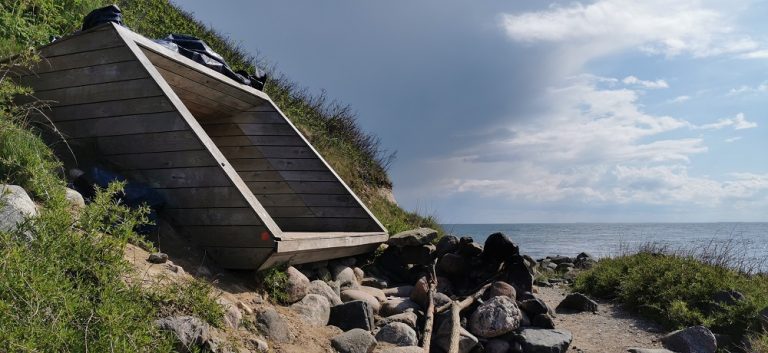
(452, 296)
(556, 269)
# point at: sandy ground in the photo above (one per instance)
(610, 330)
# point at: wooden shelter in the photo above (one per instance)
(237, 177)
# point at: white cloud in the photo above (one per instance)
(679, 99)
(744, 89)
(732, 139)
(655, 26)
(757, 54)
(597, 145)
(632, 80)
(739, 122)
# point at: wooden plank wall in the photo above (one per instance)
(102, 99)
(286, 176)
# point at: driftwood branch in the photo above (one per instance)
(456, 308)
(455, 328)
(428, 325)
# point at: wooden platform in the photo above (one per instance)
(237, 176)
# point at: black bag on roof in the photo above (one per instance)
(103, 15)
(196, 49)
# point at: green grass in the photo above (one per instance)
(677, 290)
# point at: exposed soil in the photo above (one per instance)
(610, 330)
(234, 286)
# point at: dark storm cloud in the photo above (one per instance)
(420, 74)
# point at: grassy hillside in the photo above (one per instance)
(67, 289)
(331, 127)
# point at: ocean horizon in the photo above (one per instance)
(745, 239)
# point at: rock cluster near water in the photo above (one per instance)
(415, 287)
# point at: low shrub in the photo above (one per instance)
(678, 291)
(274, 281)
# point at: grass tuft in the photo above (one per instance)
(274, 281)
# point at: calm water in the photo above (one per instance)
(604, 239)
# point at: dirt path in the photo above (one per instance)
(610, 330)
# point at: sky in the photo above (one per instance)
(536, 111)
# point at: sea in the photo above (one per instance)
(744, 240)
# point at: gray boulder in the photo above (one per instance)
(408, 349)
(190, 331)
(75, 199)
(375, 292)
(543, 321)
(158, 258)
(398, 306)
(272, 325)
(314, 308)
(397, 333)
(15, 207)
(446, 244)
(534, 307)
(452, 265)
(354, 341)
(497, 316)
(413, 237)
(577, 302)
(696, 339)
(296, 288)
(537, 340)
(417, 255)
(375, 282)
(401, 291)
(500, 288)
(232, 315)
(469, 248)
(321, 288)
(355, 294)
(409, 318)
(345, 276)
(442, 337)
(357, 314)
(728, 297)
(420, 293)
(496, 346)
(498, 247)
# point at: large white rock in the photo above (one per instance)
(15, 207)
(497, 316)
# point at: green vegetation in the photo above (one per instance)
(63, 280)
(274, 280)
(677, 289)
